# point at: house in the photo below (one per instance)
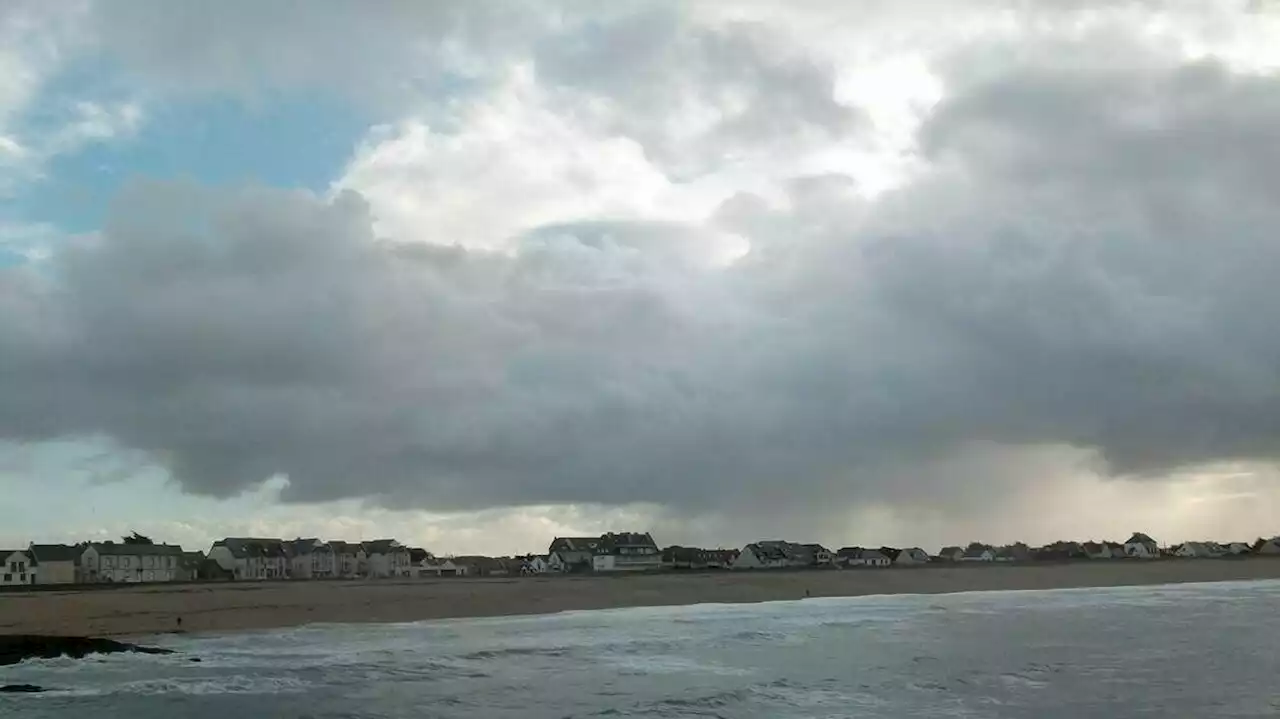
(1099, 550)
(951, 554)
(434, 567)
(1270, 547)
(977, 552)
(349, 559)
(696, 558)
(1238, 548)
(777, 554)
(309, 559)
(821, 555)
(57, 563)
(479, 566)
(626, 552)
(251, 558)
(18, 568)
(1199, 550)
(387, 558)
(130, 562)
(859, 557)
(572, 554)
(535, 564)
(1141, 546)
(907, 557)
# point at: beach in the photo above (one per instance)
(229, 607)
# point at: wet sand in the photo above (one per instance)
(143, 610)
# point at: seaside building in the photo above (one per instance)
(130, 562)
(1141, 546)
(57, 563)
(778, 554)
(16, 568)
(386, 559)
(309, 559)
(1267, 546)
(626, 552)
(977, 552)
(251, 557)
(906, 557)
(951, 554)
(571, 554)
(859, 557)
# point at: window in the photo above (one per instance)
(8, 577)
(22, 578)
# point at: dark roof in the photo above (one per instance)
(112, 549)
(574, 544)
(301, 546)
(242, 547)
(55, 552)
(381, 546)
(950, 550)
(612, 542)
(1140, 538)
(976, 550)
(417, 554)
(341, 547)
(891, 553)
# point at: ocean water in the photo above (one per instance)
(1207, 650)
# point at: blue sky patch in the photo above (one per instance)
(299, 141)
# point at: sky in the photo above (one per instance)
(474, 275)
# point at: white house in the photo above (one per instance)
(859, 557)
(251, 558)
(535, 564)
(978, 553)
(1238, 548)
(56, 563)
(433, 567)
(1098, 550)
(309, 559)
(349, 559)
(909, 556)
(1141, 546)
(1267, 546)
(127, 562)
(778, 554)
(626, 552)
(1200, 550)
(387, 558)
(18, 568)
(571, 554)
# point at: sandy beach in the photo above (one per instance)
(136, 611)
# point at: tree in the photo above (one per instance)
(136, 538)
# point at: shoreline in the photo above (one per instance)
(147, 610)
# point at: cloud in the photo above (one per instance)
(528, 292)
(1096, 285)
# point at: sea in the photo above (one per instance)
(1194, 650)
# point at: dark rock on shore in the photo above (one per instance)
(20, 689)
(16, 647)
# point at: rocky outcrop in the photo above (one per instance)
(20, 689)
(16, 647)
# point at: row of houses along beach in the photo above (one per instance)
(138, 559)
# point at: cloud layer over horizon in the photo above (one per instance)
(672, 256)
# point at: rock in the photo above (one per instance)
(20, 689)
(17, 647)
(194, 659)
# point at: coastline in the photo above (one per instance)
(232, 607)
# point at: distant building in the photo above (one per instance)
(1267, 546)
(977, 552)
(1141, 546)
(860, 557)
(696, 558)
(626, 552)
(58, 563)
(1060, 551)
(251, 558)
(128, 562)
(951, 554)
(779, 554)
(1017, 552)
(17, 568)
(387, 558)
(309, 559)
(349, 559)
(572, 554)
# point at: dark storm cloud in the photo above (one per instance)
(1086, 260)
